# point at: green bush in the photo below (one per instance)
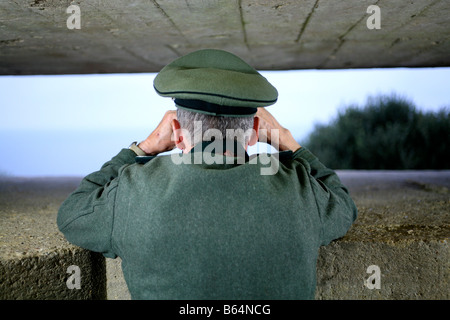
(387, 133)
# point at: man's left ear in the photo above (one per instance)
(254, 137)
(177, 134)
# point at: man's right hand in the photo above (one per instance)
(267, 123)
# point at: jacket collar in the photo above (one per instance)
(211, 148)
(219, 147)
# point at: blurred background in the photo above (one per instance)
(351, 119)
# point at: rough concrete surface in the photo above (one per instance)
(144, 35)
(403, 228)
(34, 256)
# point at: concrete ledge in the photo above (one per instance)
(44, 277)
(34, 256)
(413, 263)
(403, 228)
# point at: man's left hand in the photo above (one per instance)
(161, 139)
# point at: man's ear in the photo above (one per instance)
(178, 135)
(254, 137)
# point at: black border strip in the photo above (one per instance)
(214, 95)
(200, 105)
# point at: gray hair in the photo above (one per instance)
(203, 127)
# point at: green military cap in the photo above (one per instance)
(215, 82)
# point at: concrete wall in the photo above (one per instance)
(34, 256)
(403, 229)
(414, 267)
(44, 277)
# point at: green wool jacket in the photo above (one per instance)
(202, 230)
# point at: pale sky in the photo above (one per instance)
(114, 104)
(129, 100)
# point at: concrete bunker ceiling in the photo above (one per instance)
(144, 35)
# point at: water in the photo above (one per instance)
(61, 152)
